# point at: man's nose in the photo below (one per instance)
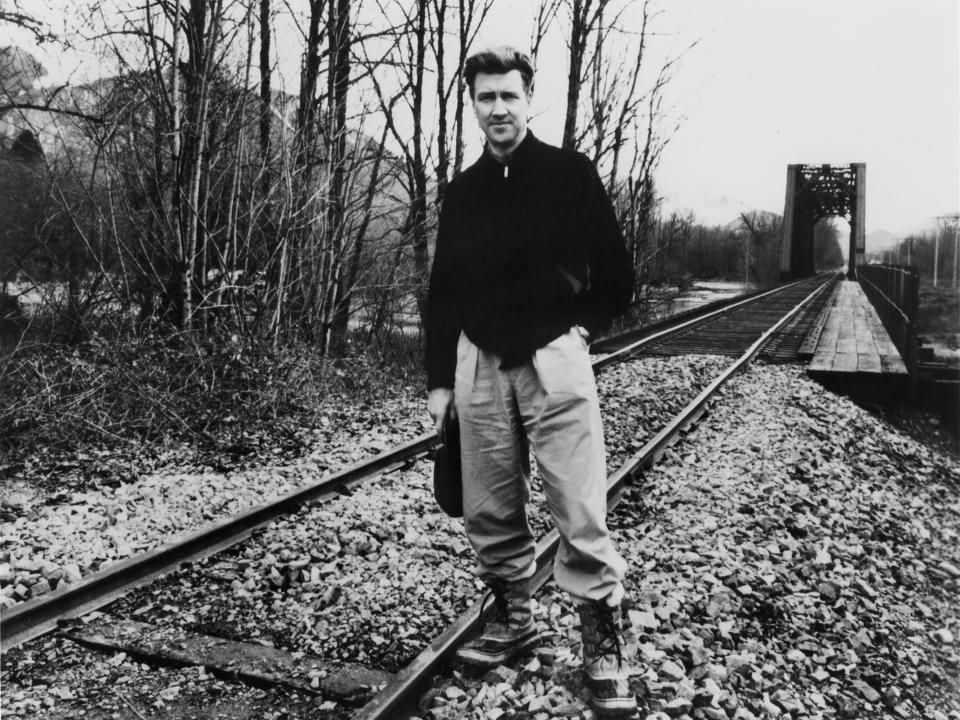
(499, 106)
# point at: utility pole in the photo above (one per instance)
(956, 248)
(947, 221)
(936, 256)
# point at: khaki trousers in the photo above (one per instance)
(550, 404)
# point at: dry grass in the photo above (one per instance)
(938, 321)
(213, 393)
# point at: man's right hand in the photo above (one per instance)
(438, 402)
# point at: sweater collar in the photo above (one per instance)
(520, 157)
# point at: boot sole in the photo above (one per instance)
(615, 708)
(608, 711)
(475, 657)
(612, 707)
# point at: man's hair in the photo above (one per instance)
(499, 61)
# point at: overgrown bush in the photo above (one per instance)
(938, 317)
(219, 393)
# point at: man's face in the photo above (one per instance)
(502, 108)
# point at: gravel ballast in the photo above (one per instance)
(60, 539)
(794, 532)
(795, 557)
(48, 540)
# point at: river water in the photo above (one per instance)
(702, 292)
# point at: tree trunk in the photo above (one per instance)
(293, 243)
(579, 31)
(181, 301)
(461, 89)
(306, 108)
(418, 204)
(339, 84)
(202, 43)
(266, 99)
(443, 151)
(348, 280)
(470, 19)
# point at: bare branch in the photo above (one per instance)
(47, 107)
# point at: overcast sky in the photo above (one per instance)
(773, 82)
(821, 81)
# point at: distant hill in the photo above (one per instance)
(18, 70)
(763, 217)
(880, 240)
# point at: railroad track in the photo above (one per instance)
(395, 700)
(729, 326)
(745, 338)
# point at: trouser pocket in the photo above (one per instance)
(563, 366)
(466, 369)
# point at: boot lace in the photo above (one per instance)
(608, 632)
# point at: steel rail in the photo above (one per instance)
(392, 700)
(600, 345)
(625, 352)
(35, 617)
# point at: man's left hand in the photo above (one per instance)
(439, 403)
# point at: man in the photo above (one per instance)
(529, 264)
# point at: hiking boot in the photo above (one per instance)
(510, 632)
(606, 674)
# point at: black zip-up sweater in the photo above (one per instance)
(514, 241)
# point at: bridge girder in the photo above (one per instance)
(813, 193)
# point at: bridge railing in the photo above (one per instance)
(893, 290)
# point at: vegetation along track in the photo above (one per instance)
(37, 616)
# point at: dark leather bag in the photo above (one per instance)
(447, 475)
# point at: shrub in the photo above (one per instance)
(217, 393)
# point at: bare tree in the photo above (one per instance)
(543, 19)
(470, 17)
(615, 110)
(399, 77)
(28, 21)
(579, 30)
(266, 97)
(338, 85)
(401, 65)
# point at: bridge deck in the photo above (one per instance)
(854, 341)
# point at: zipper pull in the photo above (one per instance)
(506, 171)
